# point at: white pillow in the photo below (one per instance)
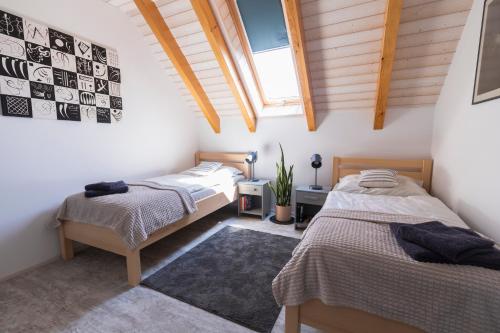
(406, 187)
(378, 178)
(204, 168)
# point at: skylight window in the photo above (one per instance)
(270, 53)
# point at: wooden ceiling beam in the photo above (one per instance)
(293, 18)
(389, 40)
(215, 37)
(157, 24)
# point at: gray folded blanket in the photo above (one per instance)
(438, 243)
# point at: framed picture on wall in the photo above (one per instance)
(487, 82)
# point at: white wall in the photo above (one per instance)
(407, 134)
(42, 161)
(467, 140)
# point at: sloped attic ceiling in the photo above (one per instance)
(343, 43)
(184, 25)
(344, 38)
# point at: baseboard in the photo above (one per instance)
(77, 248)
(30, 268)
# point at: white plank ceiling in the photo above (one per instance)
(183, 23)
(343, 40)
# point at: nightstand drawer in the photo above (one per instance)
(250, 189)
(311, 198)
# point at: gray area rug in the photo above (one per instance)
(230, 275)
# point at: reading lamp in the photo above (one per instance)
(251, 159)
(316, 164)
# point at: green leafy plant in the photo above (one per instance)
(282, 188)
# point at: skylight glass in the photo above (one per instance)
(275, 69)
(264, 24)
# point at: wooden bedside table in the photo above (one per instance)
(259, 194)
(308, 203)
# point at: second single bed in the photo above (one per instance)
(348, 274)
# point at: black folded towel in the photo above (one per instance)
(97, 193)
(438, 243)
(106, 186)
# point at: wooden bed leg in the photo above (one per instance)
(65, 244)
(292, 320)
(134, 267)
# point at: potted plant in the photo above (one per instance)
(282, 190)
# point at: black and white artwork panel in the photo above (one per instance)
(11, 25)
(48, 74)
(103, 115)
(115, 102)
(88, 113)
(84, 66)
(102, 100)
(101, 86)
(66, 95)
(13, 67)
(43, 109)
(114, 74)
(67, 111)
(61, 42)
(12, 47)
(37, 33)
(65, 78)
(63, 60)
(114, 89)
(15, 106)
(100, 70)
(83, 48)
(14, 87)
(116, 115)
(40, 73)
(86, 83)
(42, 91)
(38, 53)
(87, 98)
(99, 54)
(112, 56)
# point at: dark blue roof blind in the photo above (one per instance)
(264, 24)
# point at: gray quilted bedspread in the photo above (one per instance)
(350, 258)
(134, 215)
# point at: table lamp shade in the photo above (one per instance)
(251, 157)
(316, 161)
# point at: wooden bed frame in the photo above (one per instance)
(343, 319)
(109, 240)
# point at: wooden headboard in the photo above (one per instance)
(235, 160)
(420, 170)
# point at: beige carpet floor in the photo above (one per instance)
(90, 293)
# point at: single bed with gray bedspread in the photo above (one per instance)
(350, 258)
(134, 215)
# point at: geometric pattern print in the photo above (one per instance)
(49, 74)
(17, 106)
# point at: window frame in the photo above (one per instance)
(247, 51)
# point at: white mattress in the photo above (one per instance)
(198, 183)
(208, 191)
(419, 205)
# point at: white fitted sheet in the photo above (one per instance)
(195, 184)
(420, 205)
(228, 188)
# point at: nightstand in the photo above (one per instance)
(256, 195)
(308, 202)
